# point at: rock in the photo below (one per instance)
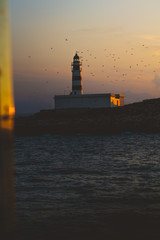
(142, 117)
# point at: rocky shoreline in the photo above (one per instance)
(141, 117)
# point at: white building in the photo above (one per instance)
(79, 100)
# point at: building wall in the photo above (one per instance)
(87, 101)
(117, 100)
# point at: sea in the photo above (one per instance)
(88, 187)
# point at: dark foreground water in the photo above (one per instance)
(88, 187)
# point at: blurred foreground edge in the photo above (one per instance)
(6, 181)
(7, 111)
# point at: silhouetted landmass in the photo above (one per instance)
(141, 117)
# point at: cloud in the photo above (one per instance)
(32, 94)
(156, 81)
(114, 29)
(157, 53)
(99, 30)
(131, 97)
(148, 37)
(85, 30)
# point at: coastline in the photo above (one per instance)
(140, 117)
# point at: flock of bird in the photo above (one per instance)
(114, 60)
(114, 64)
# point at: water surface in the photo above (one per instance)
(71, 177)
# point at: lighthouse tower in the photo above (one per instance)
(77, 76)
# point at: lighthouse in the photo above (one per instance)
(76, 76)
(76, 99)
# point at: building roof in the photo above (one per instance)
(76, 56)
(91, 95)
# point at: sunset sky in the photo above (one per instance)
(118, 41)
